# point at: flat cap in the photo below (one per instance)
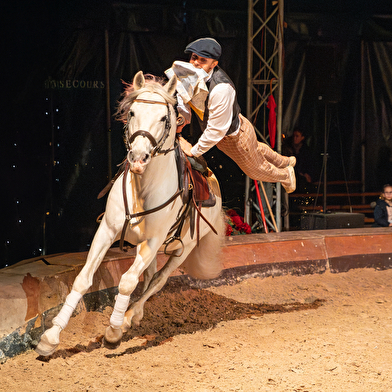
(205, 47)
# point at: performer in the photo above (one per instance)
(208, 97)
(383, 209)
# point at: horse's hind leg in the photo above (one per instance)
(51, 337)
(134, 315)
(148, 274)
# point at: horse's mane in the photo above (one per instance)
(153, 84)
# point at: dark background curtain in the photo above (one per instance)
(54, 149)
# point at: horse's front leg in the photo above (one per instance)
(146, 255)
(103, 239)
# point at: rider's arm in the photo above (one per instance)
(220, 106)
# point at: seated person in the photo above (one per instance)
(383, 209)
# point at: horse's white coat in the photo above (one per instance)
(155, 182)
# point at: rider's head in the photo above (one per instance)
(205, 53)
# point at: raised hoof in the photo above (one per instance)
(112, 337)
(44, 347)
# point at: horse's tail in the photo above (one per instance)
(204, 262)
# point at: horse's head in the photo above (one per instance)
(150, 122)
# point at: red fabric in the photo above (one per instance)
(272, 120)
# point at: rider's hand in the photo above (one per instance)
(185, 146)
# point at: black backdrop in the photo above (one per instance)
(54, 149)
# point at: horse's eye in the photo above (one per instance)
(130, 114)
(163, 118)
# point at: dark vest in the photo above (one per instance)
(198, 126)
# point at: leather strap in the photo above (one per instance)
(198, 209)
(149, 101)
(144, 134)
(129, 216)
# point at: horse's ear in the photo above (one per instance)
(170, 86)
(138, 81)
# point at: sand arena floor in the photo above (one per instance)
(322, 332)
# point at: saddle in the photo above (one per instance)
(196, 194)
(193, 176)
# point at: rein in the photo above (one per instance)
(129, 216)
(157, 149)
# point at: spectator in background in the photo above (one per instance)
(304, 169)
(383, 209)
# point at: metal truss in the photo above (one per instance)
(264, 77)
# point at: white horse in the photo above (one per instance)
(151, 187)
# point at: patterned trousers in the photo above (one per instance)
(257, 160)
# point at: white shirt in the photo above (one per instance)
(220, 106)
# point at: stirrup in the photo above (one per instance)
(170, 241)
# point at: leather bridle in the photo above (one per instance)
(156, 146)
(157, 149)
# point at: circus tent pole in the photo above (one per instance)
(279, 108)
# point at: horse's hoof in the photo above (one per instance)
(45, 348)
(49, 341)
(113, 336)
(110, 346)
(127, 324)
(132, 319)
(136, 322)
